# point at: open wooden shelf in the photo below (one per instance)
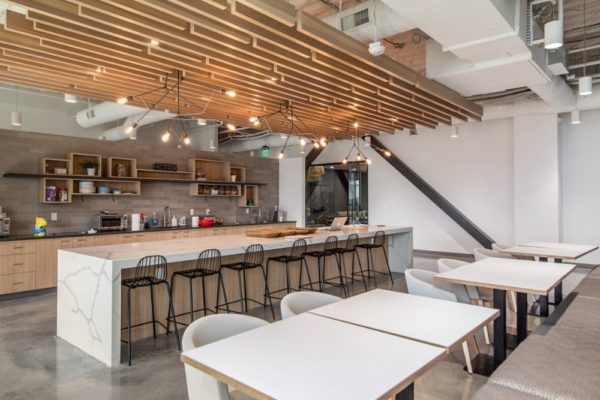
(111, 167)
(210, 170)
(77, 168)
(137, 179)
(129, 188)
(160, 175)
(239, 172)
(47, 166)
(58, 183)
(200, 189)
(249, 197)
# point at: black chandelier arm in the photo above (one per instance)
(169, 90)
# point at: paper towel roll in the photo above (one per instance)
(135, 222)
(195, 221)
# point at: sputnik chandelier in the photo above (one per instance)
(183, 136)
(286, 112)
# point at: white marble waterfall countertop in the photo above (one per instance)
(127, 255)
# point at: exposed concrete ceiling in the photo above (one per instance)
(575, 31)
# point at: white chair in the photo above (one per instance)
(482, 254)
(447, 264)
(423, 283)
(499, 247)
(300, 302)
(206, 330)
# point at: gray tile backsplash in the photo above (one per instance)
(21, 151)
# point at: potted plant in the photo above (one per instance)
(90, 167)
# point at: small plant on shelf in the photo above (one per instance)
(90, 167)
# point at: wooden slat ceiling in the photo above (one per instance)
(265, 50)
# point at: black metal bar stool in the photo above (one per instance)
(329, 249)
(150, 271)
(207, 264)
(378, 242)
(254, 257)
(351, 243)
(296, 255)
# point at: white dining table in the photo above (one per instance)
(313, 357)
(543, 251)
(438, 322)
(503, 274)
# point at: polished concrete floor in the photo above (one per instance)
(35, 364)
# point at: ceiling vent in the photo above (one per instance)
(356, 19)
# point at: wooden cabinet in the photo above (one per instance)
(46, 260)
(17, 266)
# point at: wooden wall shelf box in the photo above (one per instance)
(48, 166)
(78, 158)
(113, 164)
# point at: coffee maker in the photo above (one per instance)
(4, 224)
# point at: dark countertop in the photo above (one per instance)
(99, 233)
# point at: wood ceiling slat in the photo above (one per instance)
(263, 49)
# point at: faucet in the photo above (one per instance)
(165, 219)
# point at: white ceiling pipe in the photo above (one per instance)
(119, 133)
(103, 113)
(557, 93)
(256, 144)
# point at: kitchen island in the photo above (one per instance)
(89, 306)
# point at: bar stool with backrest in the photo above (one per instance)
(296, 256)
(350, 247)
(253, 258)
(378, 242)
(329, 249)
(208, 264)
(150, 271)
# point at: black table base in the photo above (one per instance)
(408, 393)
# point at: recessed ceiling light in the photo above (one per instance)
(154, 42)
(70, 98)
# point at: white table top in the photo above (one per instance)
(127, 255)
(524, 276)
(551, 249)
(437, 322)
(312, 357)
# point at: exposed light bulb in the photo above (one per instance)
(230, 93)
(129, 129)
(154, 42)
(70, 98)
(387, 153)
(253, 119)
(122, 100)
(230, 126)
(358, 157)
(256, 123)
(201, 122)
(16, 119)
(345, 160)
(302, 142)
(316, 144)
(355, 124)
(368, 161)
(166, 137)
(323, 142)
(187, 140)
(280, 154)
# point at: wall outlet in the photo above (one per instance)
(192, 211)
(54, 216)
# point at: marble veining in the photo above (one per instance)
(89, 279)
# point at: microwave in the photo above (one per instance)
(111, 222)
(4, 227)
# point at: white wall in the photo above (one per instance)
(536, 178)
(474, 172)
(292, 189)
(580, 181)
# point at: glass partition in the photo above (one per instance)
(337, 190)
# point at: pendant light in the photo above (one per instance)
(575, 117)
(585, 82)
(553, 30)
(16, 119)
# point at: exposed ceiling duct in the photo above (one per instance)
(365, 19)
(103, 113)
(273, 141)
(119, 132)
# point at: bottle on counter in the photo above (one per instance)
(154, 221)
(174, 221)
